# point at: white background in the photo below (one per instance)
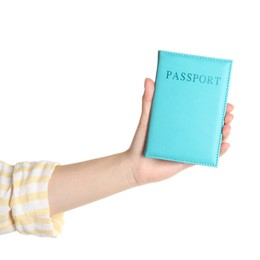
(71, 80)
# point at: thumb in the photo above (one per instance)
(147, 101)
(140, 134)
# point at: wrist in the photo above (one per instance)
(134, 168)
(128, 169)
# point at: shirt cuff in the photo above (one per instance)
(29, 202)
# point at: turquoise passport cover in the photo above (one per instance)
(188, 108)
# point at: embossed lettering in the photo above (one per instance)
(203, 79)
(175, 76)
(217, 79)
(183, 74)
(189, 77)
(169, 73)
(193, 77)
(210, 78)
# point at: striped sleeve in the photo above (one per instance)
(24, 204)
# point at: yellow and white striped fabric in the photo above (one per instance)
(24, 204)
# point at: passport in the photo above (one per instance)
(188, 108)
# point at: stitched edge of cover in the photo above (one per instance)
(223, 108)
(194, 56)
(180, 160)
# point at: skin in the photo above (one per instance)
(77, 184)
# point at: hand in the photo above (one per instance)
(146, 170)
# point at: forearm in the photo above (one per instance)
(74, 185)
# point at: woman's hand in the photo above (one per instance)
(146, 170)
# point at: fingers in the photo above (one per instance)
(226, 131)
(224, 148)
(228, 119)
(230, 108)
